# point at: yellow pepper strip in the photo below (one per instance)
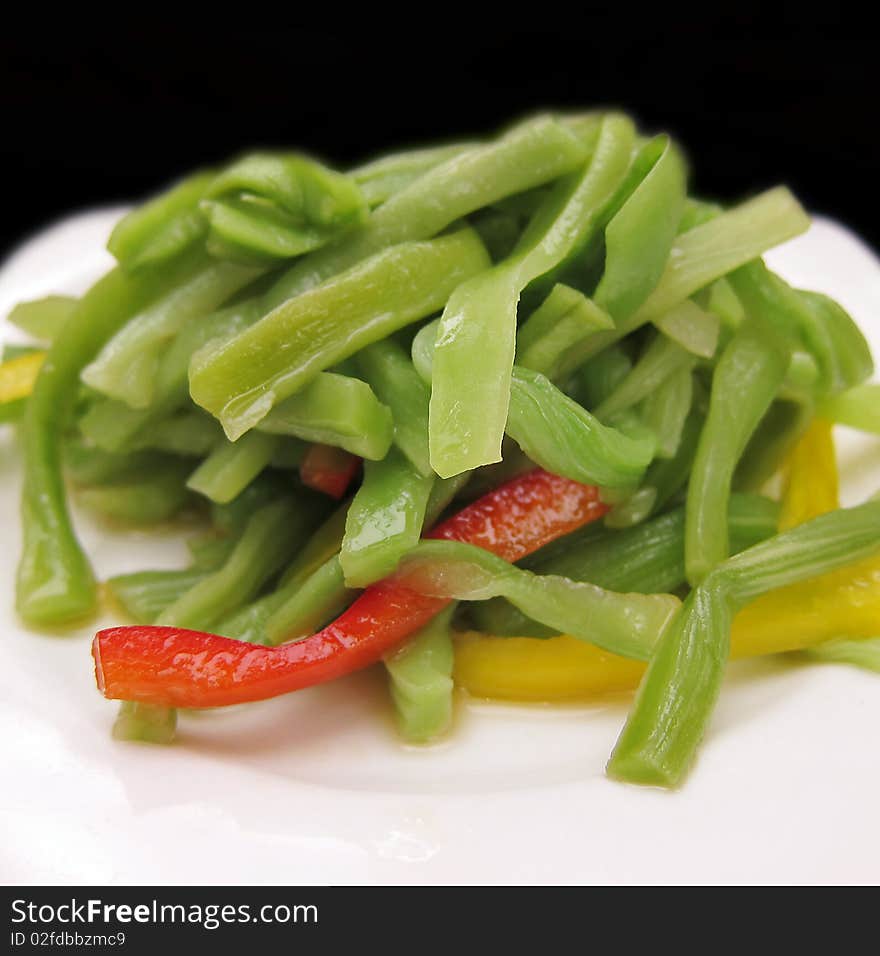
(792, 618)
(811, 487)
(539, 669)
(564, 668)
(17, 376)
(801, 615)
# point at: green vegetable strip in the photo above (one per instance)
(43, 318)
(420, 680)
(861, 652)
(443, 491)
(145, 723)
(556, 432)
(127, 365)
(774, 438)
(666, 412)
(114, 425)
(423, 350)
(210, 551)
(55, 582)
(858, 407)
(335, 410)
(314, 596)
(188, 434)
(816, 547)
(382, 178)
(266, 207)
(321, 546)
(388, 369)
(146, 499)
(384, 521)
(320, 598)
(661, 359)
(532, 153)
(240, 381)
(828, 333)
(144, 595)
(561, 436)
(692, 328)
(597, 378)
(474, 349)
(249, 624)
(231, 467)
(565, 318)
(679, 690)
(272, 534)
(722, 301)
(677, 694)
(162, 227)
(86, 465)
(639, 236)
(707, 252)
(231, 518)
(647, 558)
(627, 624)
(746, 379)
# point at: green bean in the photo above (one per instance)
(661, 359)
(828, 333)
(692, 328)
(382, 178)
(315, 602)
(420, 680)
(42, 318)
(163, 227)
(144, 595)
(127, 365)
(55, 582)
(249, 623)
(240, 381)
(114, 425)
(647, 558)
(474, 349)
(266, 207)
(861, 652)
(232, 466)
(707, 252)
(627, 624)
(745, 382)
(565, 318)
(272, 534)
(773, 439)
(393, 378)
(561, 436)
(384, 521)
(639, 237)
(678, 693)
(335, 410)
(231, 518)
(145, 723)
(143, 499)
(857, 407)
(597, 378)
(667, 410)
(530, 154)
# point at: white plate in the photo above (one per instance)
(315, 788)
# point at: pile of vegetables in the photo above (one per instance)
(497, 414)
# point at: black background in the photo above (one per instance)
(757, 95)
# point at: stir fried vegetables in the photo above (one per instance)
(497, 415)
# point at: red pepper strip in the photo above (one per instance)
(328, 469)
(179, 668)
